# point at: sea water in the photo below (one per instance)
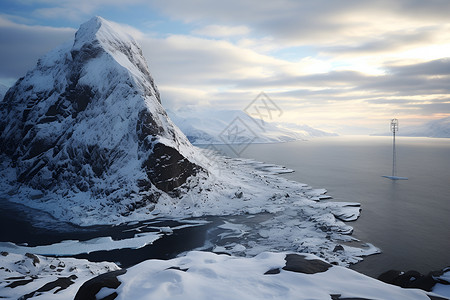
(409, 220)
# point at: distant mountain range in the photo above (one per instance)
(206, 126)
(437, 128)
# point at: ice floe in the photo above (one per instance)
(74, 247)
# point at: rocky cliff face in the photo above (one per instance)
(88, 119)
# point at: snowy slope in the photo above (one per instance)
(199, 275)
(436, 129)
(202, 275)
(87, 124)
(208, 126)
(30, 275)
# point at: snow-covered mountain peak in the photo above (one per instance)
(99, 30)
(88, 120)
(87, 33)
(99, 37)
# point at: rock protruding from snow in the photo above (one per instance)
(87, 123)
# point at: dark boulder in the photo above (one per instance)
(90, 288)
(300, 264)
(411, 279)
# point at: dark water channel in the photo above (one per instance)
(408, 220)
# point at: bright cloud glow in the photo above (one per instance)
(222, 31)
(324, 61)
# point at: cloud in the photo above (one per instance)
(430, 68)
(222, 31)
(321, 20)
(77, 10)
(353, 59)
(386, 42)
(214, 72)
(181, 59)
(23, 45)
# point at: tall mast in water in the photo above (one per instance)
(394, 129)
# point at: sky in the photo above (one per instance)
(344, 66)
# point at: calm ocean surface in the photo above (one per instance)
(408, 220)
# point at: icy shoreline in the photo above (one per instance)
(257, 218)
(298, 218)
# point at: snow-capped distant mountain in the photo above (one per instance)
(306, 130)
(436, 128)
(87, 123)
(3, 90)
(205, 126)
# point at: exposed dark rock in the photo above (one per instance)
(338, 297)
(146, 126)
(273, 271)
(167, 168)
(34, 258)
(177, 268)
(62, 282)
(389, 276)
(298, 263)
(15, 278)
(338, 248)
(90, 288)
(411, 279)
(19, 282)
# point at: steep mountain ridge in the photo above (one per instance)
(88, 121)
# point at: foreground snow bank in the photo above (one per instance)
(204, 275)
(32, 275)
(197, 275)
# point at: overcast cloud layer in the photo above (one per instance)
(326, 63)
